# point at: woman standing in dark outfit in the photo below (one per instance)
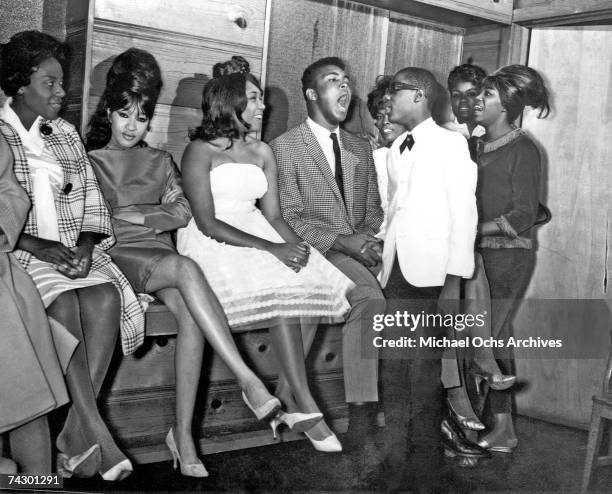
(508, 195)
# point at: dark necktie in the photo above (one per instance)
(408, 143)
(338, 174)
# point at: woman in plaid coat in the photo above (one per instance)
(63, 242)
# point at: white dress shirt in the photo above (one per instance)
(431, 212)
(323, 138)
(462, 128)
(380, 162)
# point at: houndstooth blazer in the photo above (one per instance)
(309, 196)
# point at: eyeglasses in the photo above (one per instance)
(400, 86)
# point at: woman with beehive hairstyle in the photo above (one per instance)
(508, 197)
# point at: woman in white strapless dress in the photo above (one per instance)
(264, 275)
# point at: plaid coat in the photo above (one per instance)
(81, 209)
(309, 196)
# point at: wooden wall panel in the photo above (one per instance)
(574, 260)
(210, 19)
(561, 12)
(412, 42)
(483, 46)
(302, 31)
(496, 10)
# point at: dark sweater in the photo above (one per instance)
(508, 188)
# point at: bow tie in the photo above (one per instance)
(408, 143)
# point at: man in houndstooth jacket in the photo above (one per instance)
(329, 196)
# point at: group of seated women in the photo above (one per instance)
(99, 230)
(92, 226)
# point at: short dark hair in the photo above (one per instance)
(376, 97)
(134, 79)
(310, 73)
(466, 72)
(519, 86)
(23, 53)
(424, 80)
(224, 98)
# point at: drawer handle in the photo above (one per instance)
(330, 356)
(262, 348)
(216, 403)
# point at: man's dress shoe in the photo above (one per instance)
(455, 442)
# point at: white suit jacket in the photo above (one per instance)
(431, 215)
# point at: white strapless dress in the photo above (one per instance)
(254, 287)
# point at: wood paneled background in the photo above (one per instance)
(574, 259)
(302, 31)
(371, 40)
(418, 43)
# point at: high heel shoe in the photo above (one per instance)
(265, 411)
(84, 465)
(297, 422)
(471, 423)
(498, 382)
(189, 470)
(328, 445)
(120, 471)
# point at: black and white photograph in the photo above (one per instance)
(277, 246)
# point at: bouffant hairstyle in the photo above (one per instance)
(310, 73)
(235, 64)
(22, 54)
(134, 79)
(223, 102)
(519, 86)
(136, 61)
(377, 97)
(466, 73)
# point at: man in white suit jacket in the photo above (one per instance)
(429, 247)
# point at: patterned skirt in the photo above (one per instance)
(51, 284)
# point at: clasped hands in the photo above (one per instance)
(72, 262)
(362, 247)
(293, 255)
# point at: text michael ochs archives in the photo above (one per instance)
(409, 322)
